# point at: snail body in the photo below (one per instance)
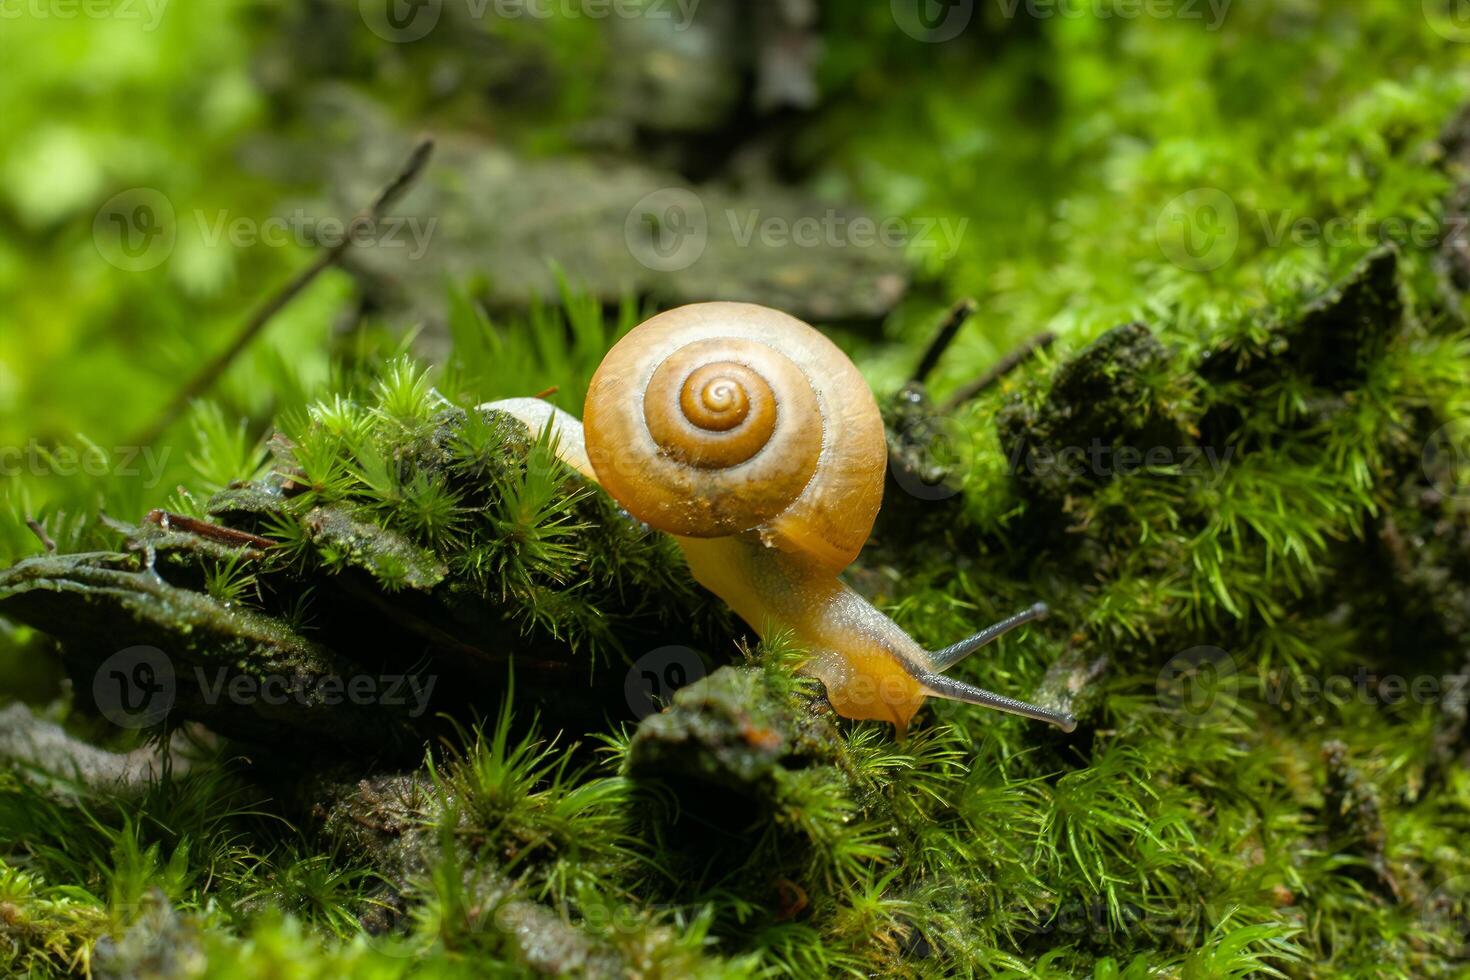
(752, 439)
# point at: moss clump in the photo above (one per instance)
(1117, 395)
(734, 728)
(297, 598)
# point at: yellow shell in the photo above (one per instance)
(716, 419)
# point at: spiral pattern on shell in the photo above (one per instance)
(720, 418)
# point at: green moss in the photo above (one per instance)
(1216, 814)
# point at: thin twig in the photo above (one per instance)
(40, 532)
(263, 314)
(1002, 368)
(955, 319)
(217, 533)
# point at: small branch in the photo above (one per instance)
(955, 319)
(263, 314)
(1002, 368)
(45, 753)
(40, 532)
(217, 533)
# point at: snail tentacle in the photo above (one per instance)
(955, 652)
(939, 686)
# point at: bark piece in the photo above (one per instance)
(144, 651)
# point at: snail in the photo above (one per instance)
(753, 439)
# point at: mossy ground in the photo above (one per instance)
(1236, 478)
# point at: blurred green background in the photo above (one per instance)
(1031, 160)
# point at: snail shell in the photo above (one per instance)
(716, 419)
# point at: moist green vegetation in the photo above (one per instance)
(1229, 478)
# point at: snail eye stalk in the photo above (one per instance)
(955, 652)
(952, 690)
